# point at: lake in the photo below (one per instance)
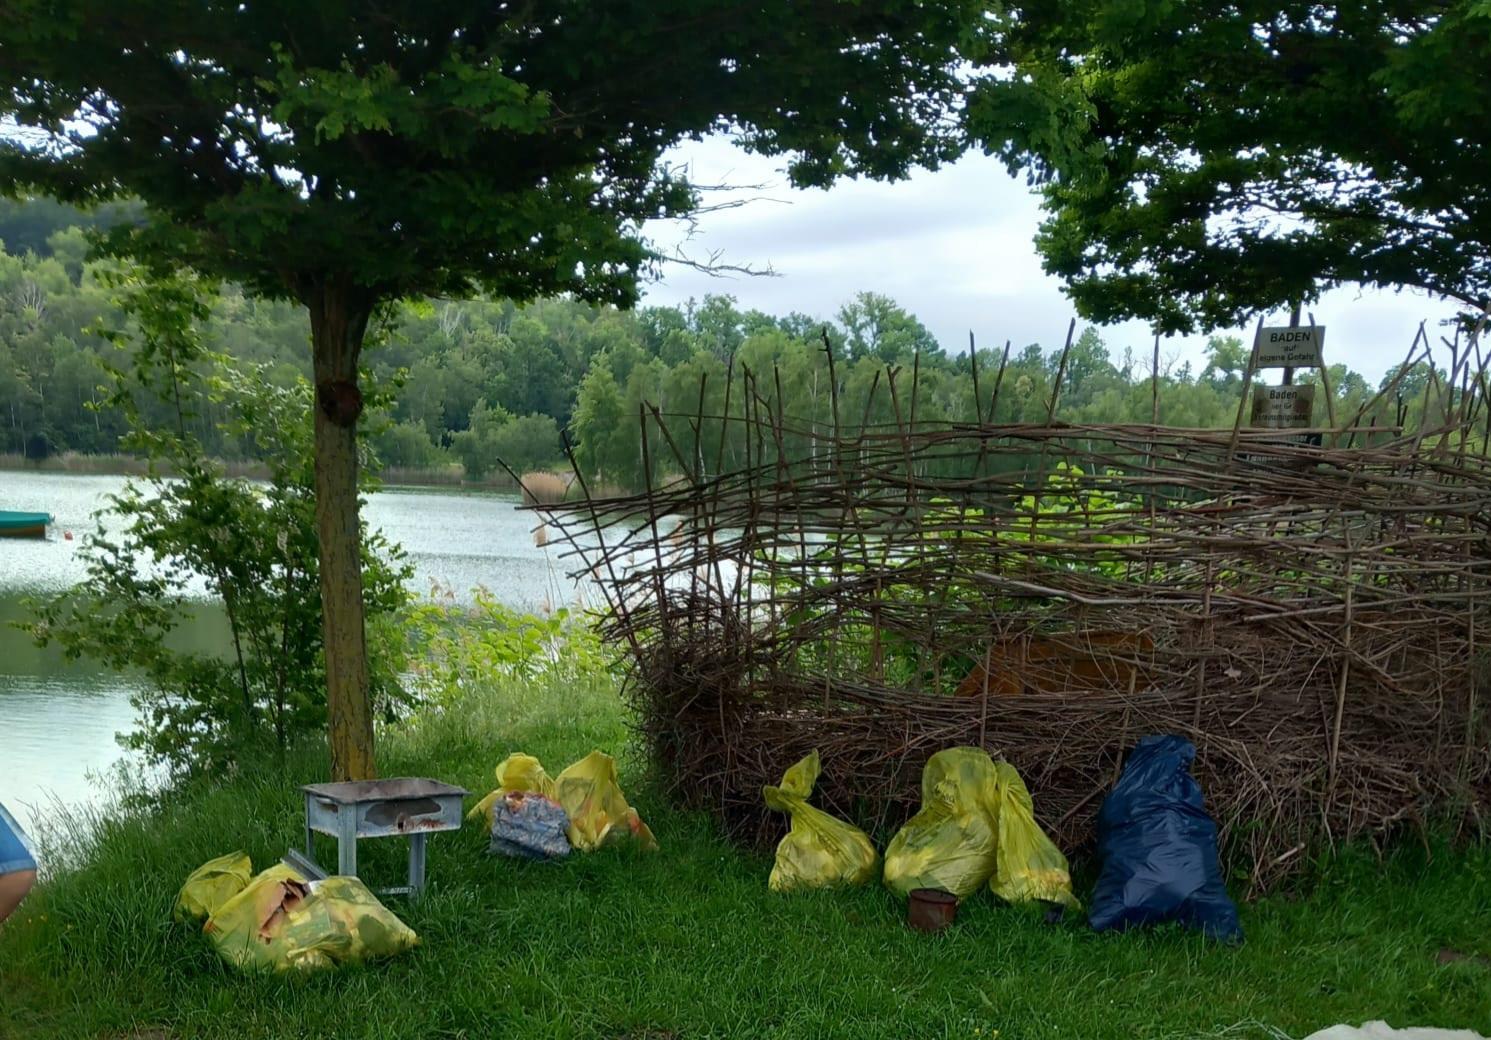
(58, 718)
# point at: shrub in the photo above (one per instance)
(453, 649)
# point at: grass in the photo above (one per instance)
(687, 942)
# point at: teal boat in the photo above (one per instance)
(23, 525)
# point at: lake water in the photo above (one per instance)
(58, 718)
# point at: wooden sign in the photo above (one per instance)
(1283, 407)
(1285, 346)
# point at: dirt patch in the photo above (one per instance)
(1449, 956)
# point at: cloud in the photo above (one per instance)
(954, 247)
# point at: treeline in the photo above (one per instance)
(470, 383)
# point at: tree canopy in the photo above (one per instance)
(417, 148)
(458, 386)
(1203, 161)
(345, 154)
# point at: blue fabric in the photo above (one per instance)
(1158, 848)
(15, 850)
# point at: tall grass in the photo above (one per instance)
(688, 942)
(547, 487)
(544, 487)
(115, 464)
(449, 475)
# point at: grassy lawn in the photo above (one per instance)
(688, 943)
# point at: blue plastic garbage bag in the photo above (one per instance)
(529, 826)
(1158, 848)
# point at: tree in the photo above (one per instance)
(532, 373)
(473, 445)
(717, 323)
(603, 429)
(1202, 162)
(346, 155)
(876, 326)
(1087, 360)
(468, 352)
(253, 544)
(407, 444)
(528, 442)
(523, 443)
(1226, 361)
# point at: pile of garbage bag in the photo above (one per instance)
(588, 793)
(977, 827)
(529, 826)
(211, 885)
(950, 844)
(277, 920)
(1028, 867)
(1158, 848)
(819, 851)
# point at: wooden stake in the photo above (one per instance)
(1246, 388)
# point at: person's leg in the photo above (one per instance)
(17, 864)
(13, 888)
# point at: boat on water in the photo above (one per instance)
(23, 525)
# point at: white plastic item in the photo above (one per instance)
(1383, 1031)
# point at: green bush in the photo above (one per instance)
(454, 649)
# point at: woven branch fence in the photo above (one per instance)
(1313, 617)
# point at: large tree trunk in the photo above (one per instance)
(339, 319)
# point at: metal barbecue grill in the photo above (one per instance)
(408, 806)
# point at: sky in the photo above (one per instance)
(956, 248)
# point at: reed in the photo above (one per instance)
(541, 487)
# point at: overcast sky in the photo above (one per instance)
(955, 248)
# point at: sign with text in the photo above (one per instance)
(1283, 407)
(1288, 346)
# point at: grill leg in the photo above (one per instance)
(347, 841)
(416, 863)
(310, 842)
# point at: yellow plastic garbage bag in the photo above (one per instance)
(819, 851)
(1028, 865)
(244, 930)
(517, 772)
(282, 922)
(363, 928)
(598, 812)
(950, 843)
(213, 884)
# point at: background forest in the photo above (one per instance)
(487, 380)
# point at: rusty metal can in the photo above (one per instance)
(930, 909)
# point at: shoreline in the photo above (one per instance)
(79, 464)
